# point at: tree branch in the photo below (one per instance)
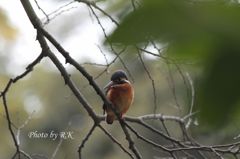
(85, 140)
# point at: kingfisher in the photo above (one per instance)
(120, 92)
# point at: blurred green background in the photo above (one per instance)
(201, 37)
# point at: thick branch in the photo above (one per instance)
(45, 48)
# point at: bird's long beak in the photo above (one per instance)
(126, 81)
(108, 85)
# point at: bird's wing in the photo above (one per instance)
(106, 89)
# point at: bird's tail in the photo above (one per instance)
(110, 118)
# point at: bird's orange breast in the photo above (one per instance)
(121, 96)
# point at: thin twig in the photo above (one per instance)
(116, 141)
(147, 140)
(9, 121)
(192, 98)
(85, 140)
(129, 139)
(22, 126)
(92, 3)
(4, 93)
(152, 82)
(172, 86)
(112, 48)
(104, 55)
(40, 8)
(57, 149)
(62, 9)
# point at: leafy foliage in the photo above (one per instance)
(203, 31)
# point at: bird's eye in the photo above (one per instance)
(118, 80)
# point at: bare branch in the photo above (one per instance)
(93, 4)
(40, 8)
(22, 126)
(129, 139)
(147, 140)
(85, 140)
(152, 81)
(4, 99)
(9, 121)
(192, 98)
(116, 141)
(172, 86)
(59, 11)
(57, 149)
(104, 55)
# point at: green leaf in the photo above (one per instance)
(219, 92)
(171, 20)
